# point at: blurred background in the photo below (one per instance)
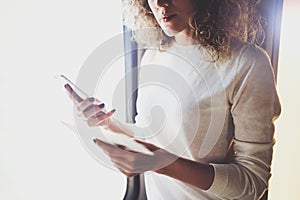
(42, 159)
(286, 161)
(39, 157)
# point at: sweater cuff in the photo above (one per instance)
(220, 179)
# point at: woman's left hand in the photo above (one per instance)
(133, 163)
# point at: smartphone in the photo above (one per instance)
(79, 93)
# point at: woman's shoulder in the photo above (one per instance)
(247, 56)
(246, 52)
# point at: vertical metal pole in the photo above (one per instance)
(135, 185)
(272, 11)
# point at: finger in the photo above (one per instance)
(72, 94)
(96, 120)
(108, 149)
(86, 103)
(149, 146)
(114, 152)
(125, 170)
(103, 145)
(129, 169)
(104, 123)
(126, 148)
(128, 174)
(123, 147)
(94, 110)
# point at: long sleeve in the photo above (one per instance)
(255, 106)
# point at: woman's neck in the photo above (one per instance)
(184, 38)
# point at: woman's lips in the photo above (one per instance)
(168, 17)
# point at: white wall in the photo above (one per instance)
(284, 183)
(40, 158)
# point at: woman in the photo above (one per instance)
(224, 138)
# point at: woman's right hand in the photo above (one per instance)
(92, 110)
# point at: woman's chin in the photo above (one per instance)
(170, 32)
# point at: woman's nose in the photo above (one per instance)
(163, 3)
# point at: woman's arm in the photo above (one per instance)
(255, 106)
(200, 175)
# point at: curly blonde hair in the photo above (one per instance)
(216, 24)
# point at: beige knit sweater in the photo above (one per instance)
(196, 108)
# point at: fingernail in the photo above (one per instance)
(91, 99)
(113, 110)
(67, 86)
(102, 105)
(95, 141)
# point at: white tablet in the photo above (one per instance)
(116, 139)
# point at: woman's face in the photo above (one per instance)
(173, 15)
